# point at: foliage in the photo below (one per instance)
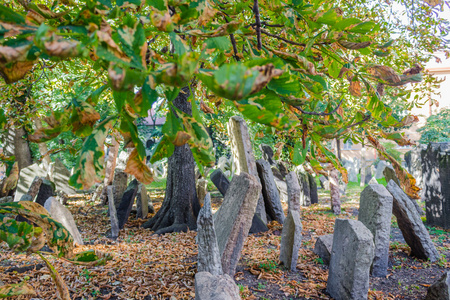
(437, 128)
(392, 151)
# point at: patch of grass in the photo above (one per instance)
(269, 265)
(157, 184)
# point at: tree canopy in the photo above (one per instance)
(313, 71)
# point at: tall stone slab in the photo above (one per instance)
(335, 194)
(243, 156)
(208, 250)
(281, 184)
(313, 189)
(380, 169)
(440, 290)
(35, 187)
(61, 176)
(414, 164)
(26, 177)
(114, 233)
(220, 181)
(305, 194)
(351, 257)
(142, 202)
(267, 153)
(375, 211)
(270, 192)
(389, 174)
(234, 218)
(294, 191)
(323, 247)
(64, 216)
(46, 190)
(436, 184)
(411, 225)
(126, 203)
(120, 185)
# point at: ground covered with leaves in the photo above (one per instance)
(146, 266)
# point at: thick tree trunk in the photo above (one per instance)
(22, 149)
(180, 206)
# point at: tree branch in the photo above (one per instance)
(233, 43)
(258, 23)
(312, 113)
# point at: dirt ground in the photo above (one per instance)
(146, 266)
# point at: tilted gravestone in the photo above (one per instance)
(26, 177)
(440, 290)
(411, 225)
(323, 247)
(291, 235)
(270, 193)
(234, 217)
(244, 159)
(46, 190)
(436, 184)
(61, 176)
(351, 257)
(114, 233)
(120, 185)
(267, 153)
(313, 189)
(142, 202)
(375, 211)
(220, 181)
(215, 287)
(208, 250)
(414, 164)
(64, 216)
(35, 186)
(281, 184)
(124, 209)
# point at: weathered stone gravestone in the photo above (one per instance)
(411, 225)
(291, 235)
(120, 185)
(281, 184)
(64, 216)
(124, 209)
(414, 164)
(436, 184)
(234, 217)
(389, 174)
(202, 185)
(305, 192)
(335, 193)
(367, 174)
(244, 158)
(142, 205)
(114, 233)
(46, 190)
(208, 250)
(375, 211)
(270, 192)
(267, 153)
(352, 166)
(26, 177)
(215, 287)
(380, 168)
(351, 257)
(220, 181)
(323, 247)
(440, 290)
(373, 181)
(313, 189)
(61, 176)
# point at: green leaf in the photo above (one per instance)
(299, 155)
(8, 15)
(220, 43)
(364, 27)
(3, 119)
(345, 23)
(158, 4)
(329, 18)
(179, 47)
(165, 148)
(92, 99)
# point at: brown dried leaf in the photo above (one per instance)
(11, 181)
(266, 73)
(138, 168)
(15, 71)
(181, 138)
(205, 108)
(355, 88)
(62, 48)
(354, 45)
(384, 73)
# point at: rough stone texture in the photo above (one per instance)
(215, 287)
(35, 186)
(305, 195)
(270, 192)
(389, 174)
(375, 211)
(124, 209)
(335, 194)
(244, 159)
(258, 225)
(367, 173)
(291, 240)
(373, 181)
(112, 213)
(234, 217)
(414, 164)
(380, 169)
(62, 215)
(324, 182)
(26, 177)
(440, 290)
(208, 250)
(220, 181)
(120, 185)
(202, 185)
(61, 176)
(142, 199)
(6, 199)
(313, 189)
(294, 190)
(281, 184)
(436, 183)
(411, 225)
(351, 257)
(323, 247)
(267, 153)
(26, 197)
(46, 190)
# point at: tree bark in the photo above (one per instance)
(180, 206)
(43, 146)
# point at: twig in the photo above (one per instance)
(258, 23)
(283, 39)
(312, 113)
(233, 43)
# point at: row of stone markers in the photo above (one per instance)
(360, 248)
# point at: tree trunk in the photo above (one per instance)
(22, 149)
(43, 146)
(334, 192)
(180, 206)
(338, 148)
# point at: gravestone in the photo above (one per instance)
(414, 164)
(114, 233)
(351, 257)
(270, 193)
(120, 185)
(367, 174)
(324, 183)
(373, 181)
(267, 153)
(436, 184)
(220, 181)
(35, 187)
(215, 287)
(208, 250)
(244, 159)
(64, 216)
(323, 247)
(305, 194)
(375, 211)
(291, 235)
(380, 168)
(389, 174)
(26, 177)
(61, 176)
(126, 203)
(142, 202)
(46, 190)
(440, 290)
(202, 185)
(224, 163)
(411, 225)
(335, 193)
(352, 166)
(234, 217)
(281, 184)
(313, 189)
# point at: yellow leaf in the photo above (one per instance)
(138, 168)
